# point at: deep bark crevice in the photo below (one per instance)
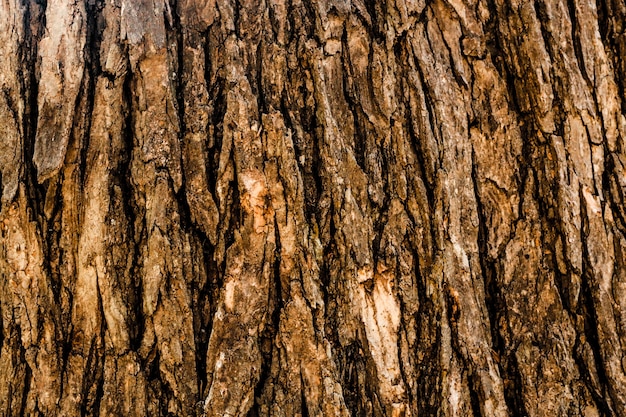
(588, 315)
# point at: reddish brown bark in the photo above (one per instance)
(328, 208)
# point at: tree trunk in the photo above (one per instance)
(313, 208)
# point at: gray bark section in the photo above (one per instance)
(329, 208)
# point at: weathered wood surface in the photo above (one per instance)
(314, 208)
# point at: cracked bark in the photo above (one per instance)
(329, 208)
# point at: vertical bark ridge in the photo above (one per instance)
(62, 54)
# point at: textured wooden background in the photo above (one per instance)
(312, 208)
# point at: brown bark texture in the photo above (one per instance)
(313, 208)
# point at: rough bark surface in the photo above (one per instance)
(313, 208)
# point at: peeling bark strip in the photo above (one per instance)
(328, 208)
(61, 51)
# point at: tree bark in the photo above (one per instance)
(313, 208)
